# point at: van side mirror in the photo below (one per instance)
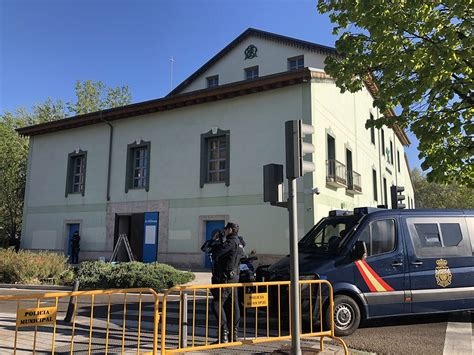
(360, 250)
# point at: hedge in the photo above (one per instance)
(101, 275)
(26, 267)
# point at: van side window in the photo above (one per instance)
(379, 237)
(428, 234)
(439, 237)
(451, 234)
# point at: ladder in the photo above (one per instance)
(122, 239)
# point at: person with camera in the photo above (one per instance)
(226, 252)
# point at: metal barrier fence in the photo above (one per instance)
(103, 321)
(265, 308)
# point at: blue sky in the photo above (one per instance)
(46, 45)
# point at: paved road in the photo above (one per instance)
(433, 334)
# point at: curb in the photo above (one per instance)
(36, 287)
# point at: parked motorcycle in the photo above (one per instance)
(248, 273)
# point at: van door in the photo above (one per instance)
(383, 275)
(440, 262)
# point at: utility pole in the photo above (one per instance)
(171, 72)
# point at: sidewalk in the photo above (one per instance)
(202, 278)
(82, 335)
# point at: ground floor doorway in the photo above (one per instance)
(210, 227)
(71, 228)
(141, 230)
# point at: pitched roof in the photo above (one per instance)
(257, 33)
(175, 100)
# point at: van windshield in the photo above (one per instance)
(327, 236)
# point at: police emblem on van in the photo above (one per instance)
(442, 273)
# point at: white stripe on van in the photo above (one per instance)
(459, 336)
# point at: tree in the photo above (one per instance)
(90, 96)
(419, 53)
(434, 195)
(13, 158)
(94, 96)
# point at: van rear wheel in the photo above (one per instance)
(346, 315)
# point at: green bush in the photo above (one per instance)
(100, 275)
(26, 267)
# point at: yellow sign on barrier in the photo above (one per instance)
(256, 299)
(30, 317)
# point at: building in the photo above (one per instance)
(168, 171)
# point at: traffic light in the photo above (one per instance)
(273, 183)
(397, 197)
(296, 149)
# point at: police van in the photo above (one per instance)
(384, 262)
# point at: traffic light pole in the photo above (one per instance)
(296, 167)
(294, 269)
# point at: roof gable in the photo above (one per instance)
(247, 35)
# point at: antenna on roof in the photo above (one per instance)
(171, 72)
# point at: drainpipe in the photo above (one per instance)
(110, 153)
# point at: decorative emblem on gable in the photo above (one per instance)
(443, 273)
(250, 52)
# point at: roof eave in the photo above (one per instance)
(231, 90)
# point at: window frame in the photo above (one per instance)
(130, 166)
(296, 59)
(204, 175)
(463, 249)
(212, 77)
(251, 69)
(70, 173)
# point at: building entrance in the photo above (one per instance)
(210, 227)
(142, 234)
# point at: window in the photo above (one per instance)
(138, 166)
(372, 130)
(383, 142)
(331, 142)
(385, 198)
(439, 236)
(251, 73)
(398, 160)
(428, 234)
(76, 173)
(379, 237)
(328, 235)
(391, 153)
(213, 81)
(374, 184)
(295, 63)
(451, 234)
(350, 175)
(215, 157)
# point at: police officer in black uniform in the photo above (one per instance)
(75, 247)
(226, 261)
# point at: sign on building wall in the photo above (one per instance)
(150, 240)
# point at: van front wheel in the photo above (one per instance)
(346, 315)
